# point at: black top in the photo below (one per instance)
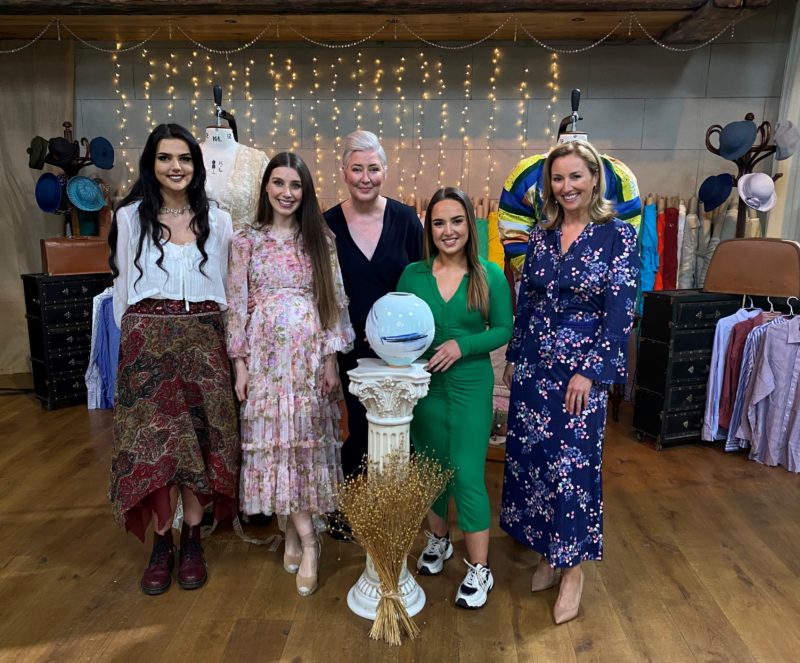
(365, 281)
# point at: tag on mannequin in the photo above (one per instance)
(571, 136)
(221, 136)
(219, 153)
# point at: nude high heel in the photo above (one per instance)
(545, 576)
(291, 563)
(307, 585)
(566, 607)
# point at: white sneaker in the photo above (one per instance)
(434, 555)
(476, 587)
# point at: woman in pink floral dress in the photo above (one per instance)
(284, 354)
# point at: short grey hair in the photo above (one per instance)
(362, 141)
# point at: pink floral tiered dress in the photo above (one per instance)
(291, 436)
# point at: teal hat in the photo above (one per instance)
(102, 153)
(37, 151)
(85, 194)
(50, 193)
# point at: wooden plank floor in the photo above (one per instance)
(702, 564)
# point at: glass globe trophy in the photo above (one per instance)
(400, 329)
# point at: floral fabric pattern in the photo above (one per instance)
(574, 315)
(291, 437)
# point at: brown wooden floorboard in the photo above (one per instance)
(702, 563)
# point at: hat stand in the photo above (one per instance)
(745, 163)
(71, 225)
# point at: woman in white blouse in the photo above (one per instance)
(175, 424)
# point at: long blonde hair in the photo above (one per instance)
(478, 288)
(601, 210)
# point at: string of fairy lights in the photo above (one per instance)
(181, 74)
(168, 85)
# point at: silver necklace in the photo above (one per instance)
(175, 211)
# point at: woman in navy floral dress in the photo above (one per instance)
(575, 312)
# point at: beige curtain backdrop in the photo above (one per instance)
(37, 95)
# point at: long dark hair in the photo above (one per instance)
(317, 239)
(147, 190)
(478, 289)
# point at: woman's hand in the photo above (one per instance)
(330, 375)
(577, 397)
(251, 303)
(508, 375)
(447, 354)
(242, 376)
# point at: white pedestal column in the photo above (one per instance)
(389, 396)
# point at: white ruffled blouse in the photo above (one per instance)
(180, 277)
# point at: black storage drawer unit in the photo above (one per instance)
(676, 337)
(59, 314)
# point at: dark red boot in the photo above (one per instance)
(192, 572)
(158, 575)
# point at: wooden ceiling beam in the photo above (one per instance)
(287, 7)
(707, 21)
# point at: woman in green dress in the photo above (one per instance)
(471, 304)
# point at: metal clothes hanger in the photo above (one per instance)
(791, 313)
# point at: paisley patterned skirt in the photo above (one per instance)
(175, 421)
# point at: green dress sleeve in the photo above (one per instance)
(500, 316)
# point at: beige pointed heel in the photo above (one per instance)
(566, 607)
(545, 576)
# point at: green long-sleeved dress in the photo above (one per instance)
(453, 422)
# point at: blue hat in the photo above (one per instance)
(85, 194)
(736, 138)
(102, 153)
(715, 190)
(50, 193)
(62, 152)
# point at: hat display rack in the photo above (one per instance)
(745, 144)
(68, 193)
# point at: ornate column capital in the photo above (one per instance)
(388, 394)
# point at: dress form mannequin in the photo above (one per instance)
(233, 174)
(219, 156)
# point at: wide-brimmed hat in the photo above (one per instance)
(37, 151)
(51, 195)
(786, 140)
(85, 193)
(715, 190)
(736, 138)
(102, 153)
(62, 152)
(757, 190)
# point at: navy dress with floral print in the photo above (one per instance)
(574, 315)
